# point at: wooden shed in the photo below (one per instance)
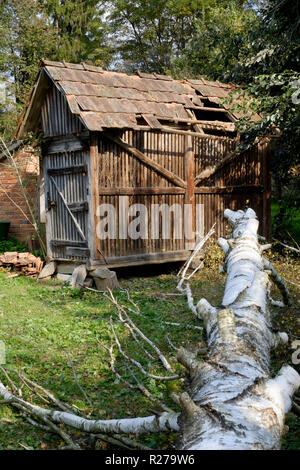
(111, 138)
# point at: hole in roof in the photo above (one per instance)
(211, 115)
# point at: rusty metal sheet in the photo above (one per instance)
(98, 121)
(132, 94)
(106, 105)
(65, 74)
(155, 85)
(51, 62)
(161, 97)
(152, 121)
(214, 99)
(92, 68)
(146, 107)
(177, 111)
(210, 83)
(72, 88)
(211, 91)
(73, 105)
(89, 88)
(197, 100)
(102, 105)
(178, 87)
(73, 66)
(145, 75)
(127, 106)
(163, 77)
(57, 73)
(123, 106)
(198, 81)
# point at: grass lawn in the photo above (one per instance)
(44, 326)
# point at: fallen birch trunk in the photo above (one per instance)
(232, 402)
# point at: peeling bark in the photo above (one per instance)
(231, 401)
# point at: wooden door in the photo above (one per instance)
(66, 199)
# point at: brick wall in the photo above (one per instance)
(28, 166)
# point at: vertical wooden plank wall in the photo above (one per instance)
(240, 183)
(190, 192)
(93, 192)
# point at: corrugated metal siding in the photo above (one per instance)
(57, 119)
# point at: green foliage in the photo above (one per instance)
(270, 68)
(221, 32)
(12, 244)
(26, 36)
(274, 42)
(275, 98)
(286, 219)
(58, 30)
(214, 256)
(181, 37)
(78, 29)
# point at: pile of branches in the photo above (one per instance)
(21, 263)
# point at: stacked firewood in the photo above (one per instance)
(21, 263)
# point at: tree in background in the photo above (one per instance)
(79, 29)
(221, 33)
(30, 29)
(270, 69)
(149, 34)
(26, 37)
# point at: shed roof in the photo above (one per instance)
(104, 99)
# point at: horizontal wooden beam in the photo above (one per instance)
(69, 143)
(207, 108)
(228, 189)
(219, 125)
(140, 259)
(79, 206)
(68, 170)
(61, 243)
(171, 130)
(139, 190)
(75, 251)
(198, 190)
(147, 161)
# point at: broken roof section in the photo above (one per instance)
(103, 99)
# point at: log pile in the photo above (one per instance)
(21, 263)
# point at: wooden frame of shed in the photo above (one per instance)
(111, 138)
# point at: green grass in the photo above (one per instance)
(45, 325)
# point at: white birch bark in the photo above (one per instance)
(162, 423)
(231, 401)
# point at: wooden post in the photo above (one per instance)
(189, 228)
(93, 196)
(265, 149)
